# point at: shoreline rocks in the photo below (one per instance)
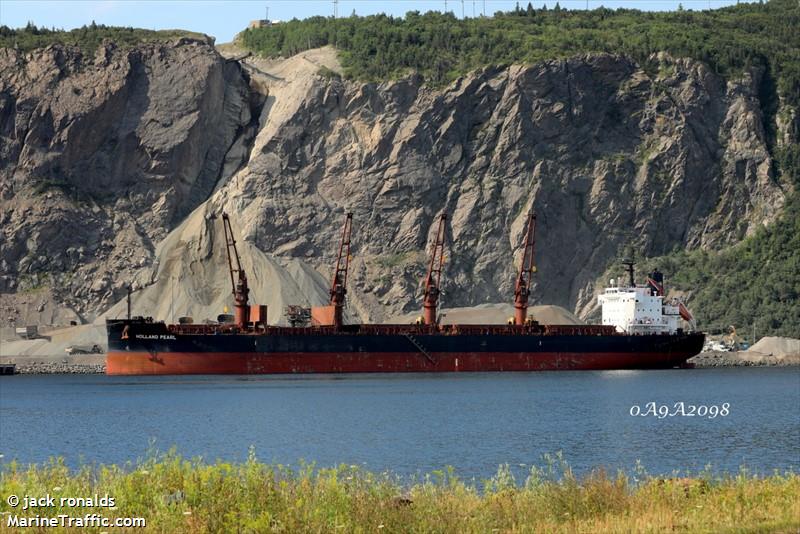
(55, 365)
(706, 360)
(52, 368)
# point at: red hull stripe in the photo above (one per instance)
(179, 363)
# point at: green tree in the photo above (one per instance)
(381, 47)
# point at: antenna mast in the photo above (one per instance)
(339, 283)
(238, 276)
(526, 270)
(432, 281)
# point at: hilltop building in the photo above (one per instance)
(262, 23)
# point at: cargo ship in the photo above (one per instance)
(639, 330)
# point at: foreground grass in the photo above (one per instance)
(178, 495)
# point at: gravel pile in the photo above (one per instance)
(781, 347)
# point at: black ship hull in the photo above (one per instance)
(138, 347)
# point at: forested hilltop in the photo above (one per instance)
(442, 47)
(87, 38)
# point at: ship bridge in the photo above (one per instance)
(638, 310)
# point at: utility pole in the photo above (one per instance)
(335, 9)
(484, 8)
(462, 9)
(445, 6)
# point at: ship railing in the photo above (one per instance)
(648, 329)
(400, 329)
(203, 329)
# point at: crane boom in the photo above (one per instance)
(526, 270)
(238, 276)
(339, 283)
(432, 288)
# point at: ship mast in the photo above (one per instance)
(339, 283)
(526, 270)
(432, 281)
(629, 263)
(238, 276)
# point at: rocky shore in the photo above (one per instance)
(84, 364)
(741, 359)
(51, 368)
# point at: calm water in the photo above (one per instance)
(412, 423)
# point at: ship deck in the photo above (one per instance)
(395, 329)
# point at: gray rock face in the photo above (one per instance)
(101, 158)
(607, 154)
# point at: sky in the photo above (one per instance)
(224, 19)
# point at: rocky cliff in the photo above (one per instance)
(103, 157)
(100, 157)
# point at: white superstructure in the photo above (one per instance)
(641, 309)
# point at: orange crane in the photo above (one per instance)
(339, 283)
(238, 276)
(432, 288)
(526, 270)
